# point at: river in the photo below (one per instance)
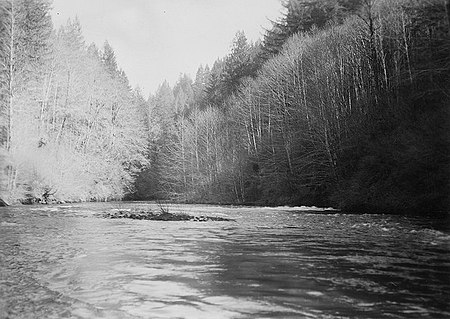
(64, 261)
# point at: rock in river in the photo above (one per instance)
(160, 216)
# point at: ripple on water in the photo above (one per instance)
(61, 261)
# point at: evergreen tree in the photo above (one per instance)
(215, 89)
(200, 86)
(238, 64)
(303, 16)
(109, 59)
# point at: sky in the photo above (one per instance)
(157, 40)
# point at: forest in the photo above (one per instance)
(342, 103)
(71, 127)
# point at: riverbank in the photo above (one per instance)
(348, 208)
(360, 208)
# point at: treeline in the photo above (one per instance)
(71, 127)
(344, 103)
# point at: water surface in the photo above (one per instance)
(64, 261)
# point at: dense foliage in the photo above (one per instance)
(344, 103)
(71, 127)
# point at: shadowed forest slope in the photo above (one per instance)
(343, 103)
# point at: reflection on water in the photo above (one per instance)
(64, 262)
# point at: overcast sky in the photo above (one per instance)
(156, 40)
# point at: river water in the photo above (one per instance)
(64, 261)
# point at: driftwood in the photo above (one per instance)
(3, 202)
